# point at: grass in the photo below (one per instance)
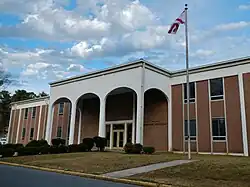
(93, 162)
(209, 171)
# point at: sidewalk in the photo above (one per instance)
(145, 169)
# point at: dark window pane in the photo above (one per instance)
(216, 87)
(222, 127)
(191, 91)
(215, 127)
(59, 132)
(219, 129)
(61, 107)
(31, 133)
(34, 112)
(23, 133)
(26, 113)
(192, 128)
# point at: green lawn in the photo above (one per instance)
(209, 171)
(93, 162)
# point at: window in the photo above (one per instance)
(23, 134)
(216, 89)
(192, 129)
(191, 92)
(31, 133)
(26, 113)
(219, 129)
(61, 107)
(34, 112)
(59, 132)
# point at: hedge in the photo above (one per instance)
(130, 148)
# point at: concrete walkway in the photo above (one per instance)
(144, 169)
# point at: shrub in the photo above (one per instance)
(43, 142)
(63, 149)
(128, 147)
(44, 149)
(100, 142)
(89, 142)
(7, 152)
(83, 147)
(58, 141)
(13, 146)
(54, 150)
(24, 151)
(148, 150)
(33, 143)
(73, 148)
(137, 148)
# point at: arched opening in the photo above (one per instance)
(120, 117)
(155, 119)
(61, 119)
(87, 117)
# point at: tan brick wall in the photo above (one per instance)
(204, 137)
(234, 128)
(246, 81)
(156, 120)
(177, 117)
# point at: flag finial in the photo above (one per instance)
(186, 6)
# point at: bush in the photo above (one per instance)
(54, 150)
(73, 148)
(7, 152)
(58, 141)
(83, 147)
(89, 142)
(100, 142)
(43, 143)
(33, 143)
(148, 150)
(44, 149)
(28, 151)
(137, 148)
(128, 147)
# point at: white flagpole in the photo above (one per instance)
(187, 77)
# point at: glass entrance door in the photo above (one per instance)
(118, 138)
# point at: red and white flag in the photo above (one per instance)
(175, 26)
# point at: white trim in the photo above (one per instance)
(11, 136)
(118, 122)
(134, 122)
(79, 125)
(18, 125)
(125, 134)
(72, 123)
(31, 105)
(170, 128)
(243, 114)
(142, 103)
(111, 136)
(39, 122)
(102, 126)
(196, 118)
(210, 117)
(10, 124)
(225, 112)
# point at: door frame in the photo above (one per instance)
(118, 138)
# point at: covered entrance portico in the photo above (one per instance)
(118, 133)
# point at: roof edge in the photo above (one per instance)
(30, 100)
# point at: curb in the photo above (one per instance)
(90, 176)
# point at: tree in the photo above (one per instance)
(5, 100)
(21, 95)
(43, 94)
(5, 78)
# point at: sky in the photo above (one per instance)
(47, 40)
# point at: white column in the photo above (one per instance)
(102, 125)
(49, 123)
(80, 126)
(133, 124)
(243, 115)
(139, 121)
(125, 134)
(170, 121)
(111, 136)
(10, 123)
(39, 122)
(72, 123)
(18, 125)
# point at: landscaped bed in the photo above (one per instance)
(93, 162)
(209, 171)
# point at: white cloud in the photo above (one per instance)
(202, 53)
(76, 68)
(244, 7)
(232, 26)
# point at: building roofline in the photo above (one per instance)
(138, 63)
(213, 66)
(29, 100)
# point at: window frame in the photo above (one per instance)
(33, 114)
(192, 138)
(32, 133)
(219, 96)
(23, 133)
(191, 99)
(58, 131)
(62, 109)
(219, 138)
(26, 113)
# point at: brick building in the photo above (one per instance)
(143, 103)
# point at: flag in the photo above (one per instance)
(175, 26)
